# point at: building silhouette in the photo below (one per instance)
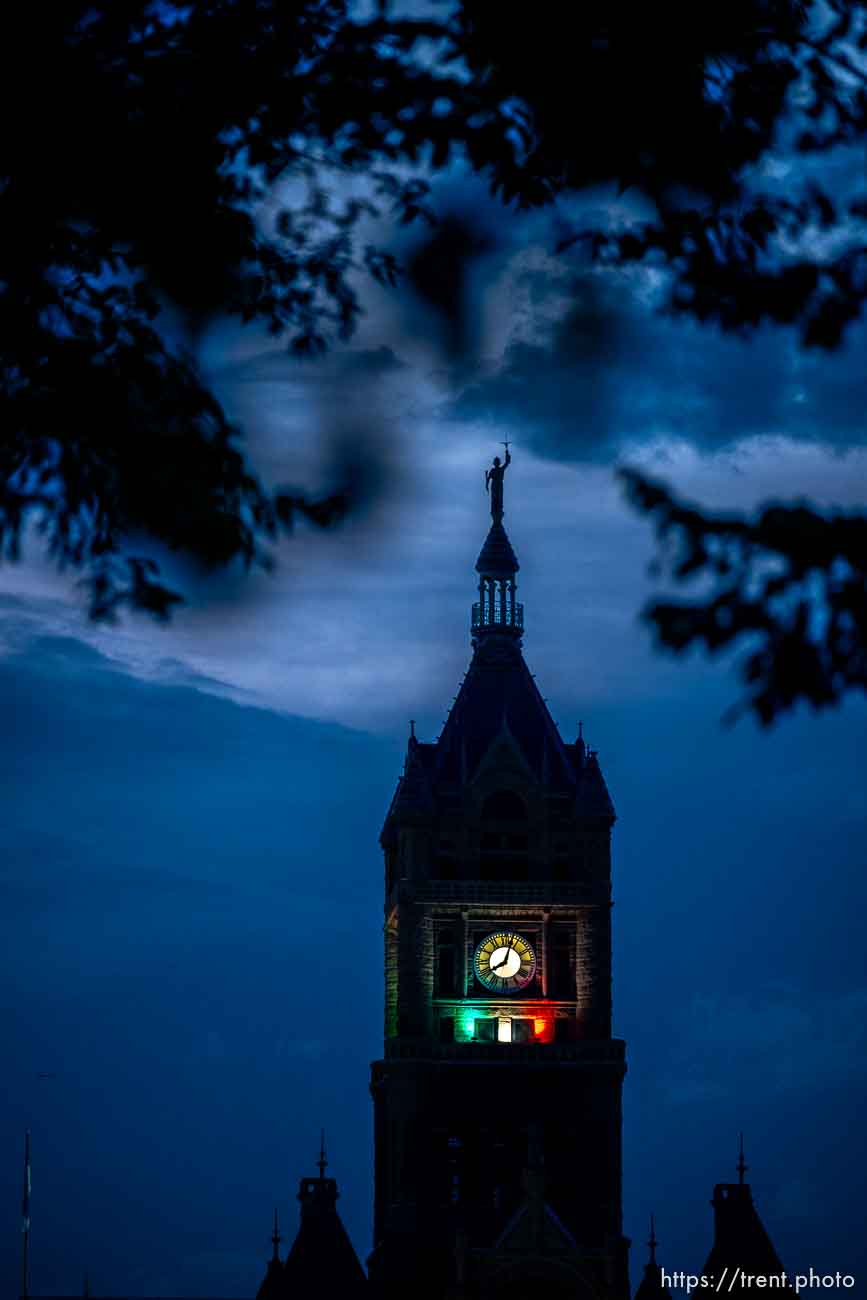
(322, 1260)
(741, 1244)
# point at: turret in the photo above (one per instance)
(741, 1243)
(322, 1259)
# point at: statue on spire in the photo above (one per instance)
(494, 484)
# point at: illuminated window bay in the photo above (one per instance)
(474, 1024)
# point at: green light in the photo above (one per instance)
(465, 1025)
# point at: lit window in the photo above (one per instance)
(504, 1032)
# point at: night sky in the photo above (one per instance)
(191, 879)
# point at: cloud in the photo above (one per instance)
(609, 372)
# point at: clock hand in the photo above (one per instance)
(504, 961)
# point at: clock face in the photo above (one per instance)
(505, 962)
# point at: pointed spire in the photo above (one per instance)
(86, 1291)
(272, 1287)
(651, 1286)
(412, 729)
(742, 1166)
(322, 1162)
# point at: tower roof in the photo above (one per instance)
(274, 1285)
(322, 1258)
(740, 1238)
(650, 1287)
(499, 699)
(413, 795)
(496, 556)
(499, 704)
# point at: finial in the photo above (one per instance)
(322, 1162)
(742, 1166)
(275, 1237)
(412, 728)
(580, 731)
(652, 1243)
(86, 1291)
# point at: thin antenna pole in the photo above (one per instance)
(25, 1220)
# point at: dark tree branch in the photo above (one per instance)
(791, 584)
(156, 135)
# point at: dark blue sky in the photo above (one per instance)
(191, 881)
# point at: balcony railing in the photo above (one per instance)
(509, 618)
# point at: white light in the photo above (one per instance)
(504, 1031)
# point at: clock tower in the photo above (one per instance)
(497, 1102)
